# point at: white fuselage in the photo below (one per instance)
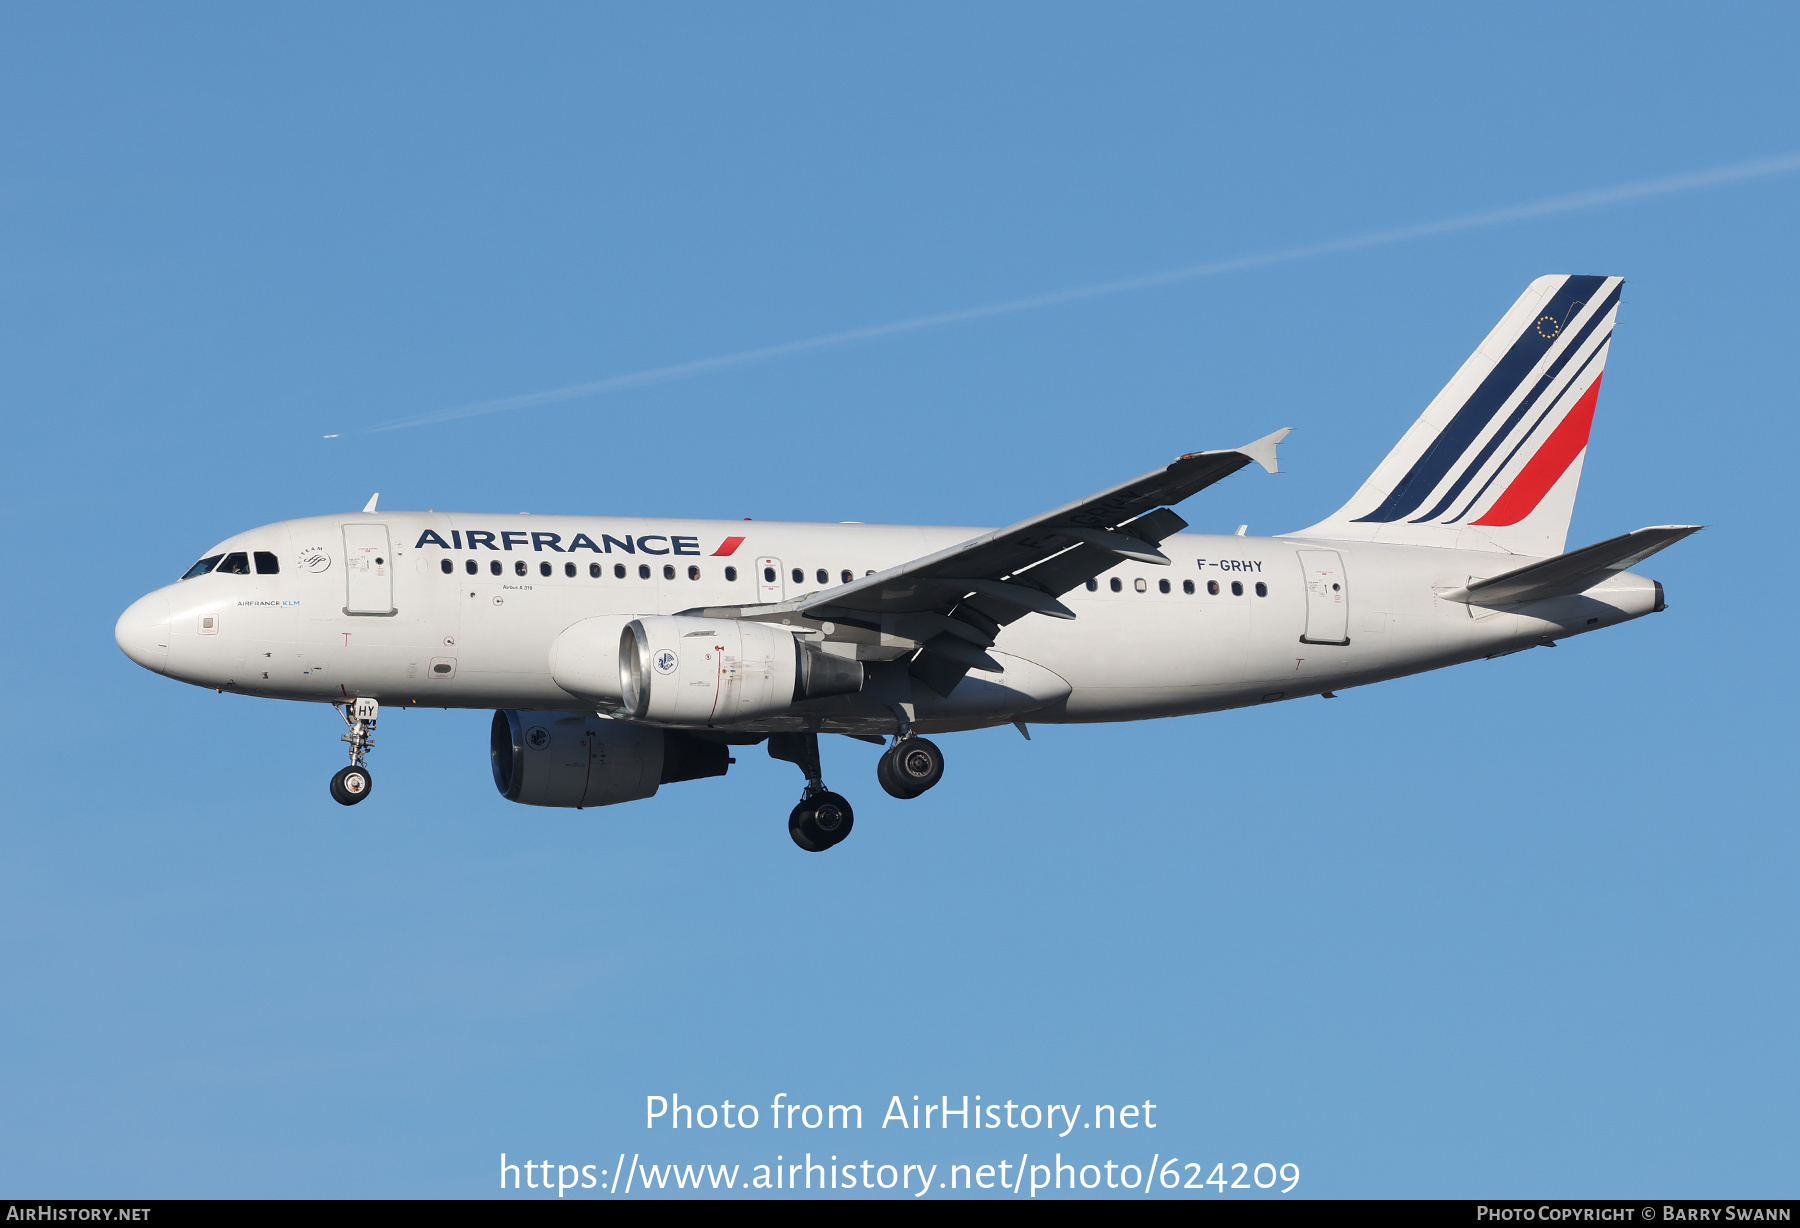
(477, 639)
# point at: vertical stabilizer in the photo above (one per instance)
(1494, 461)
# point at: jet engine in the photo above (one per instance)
(684, 670)
(566, 759)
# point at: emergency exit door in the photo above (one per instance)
(368, 570)
(769, 584)
(1327, 598)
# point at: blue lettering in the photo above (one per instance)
(652, 538)
(609, 541)
(686, 545)
(584, 542)
(456, 539)
(540, 540)
(507, 535)
(428, 537)
(481, 537)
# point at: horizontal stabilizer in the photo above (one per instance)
(1574, 572)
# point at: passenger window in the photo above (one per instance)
(594, 570)
(1187, 586)
(471, 566)
(446, 566)
(494, 566)
(1115, 585)
(1237, 588)
(267, 564)
(618, 571)
(1093, 586)
(824, 576)
(519, 567)
(1140, 585)
(1162, 586)
(847, 575)
(668, 571)
(731, 573)
(693, 573)
(1212, 588)
(237, 563)
(1262, 590)
(768, 575)
(799, 576)
(643, 571)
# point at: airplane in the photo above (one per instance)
(624, 654)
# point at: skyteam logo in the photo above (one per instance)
(666, 662)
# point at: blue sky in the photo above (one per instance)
(1525, 927)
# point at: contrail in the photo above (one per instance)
(1620, 194)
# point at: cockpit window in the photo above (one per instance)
(237, 563)
(267, 564)
(202, 567)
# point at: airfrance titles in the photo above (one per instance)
(509, 540)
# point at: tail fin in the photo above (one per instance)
(1494, 461)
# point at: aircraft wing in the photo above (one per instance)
(1574, 572)
(955, 601)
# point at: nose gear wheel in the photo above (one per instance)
(351, 785)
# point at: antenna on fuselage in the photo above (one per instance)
(370, 505)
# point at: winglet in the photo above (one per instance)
(370, 505)
(1262, 451)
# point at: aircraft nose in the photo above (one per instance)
(143, 632)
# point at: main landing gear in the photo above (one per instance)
(823, 818)
(353, 783)
(910, 766)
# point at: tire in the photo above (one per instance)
(885, 775)
(820, 822)
(911, 767)
(351, 785)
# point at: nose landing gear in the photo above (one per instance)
(909, 767)
(353, 783)
(823, 818)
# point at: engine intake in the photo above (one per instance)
(567, 759)
(683, 670)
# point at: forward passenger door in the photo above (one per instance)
(368, 570)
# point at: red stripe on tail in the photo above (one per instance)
(1546, 465)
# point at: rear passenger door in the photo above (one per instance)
(1327, 598)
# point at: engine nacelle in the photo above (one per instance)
(567, 759)
(584, 659)
(683, 670)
